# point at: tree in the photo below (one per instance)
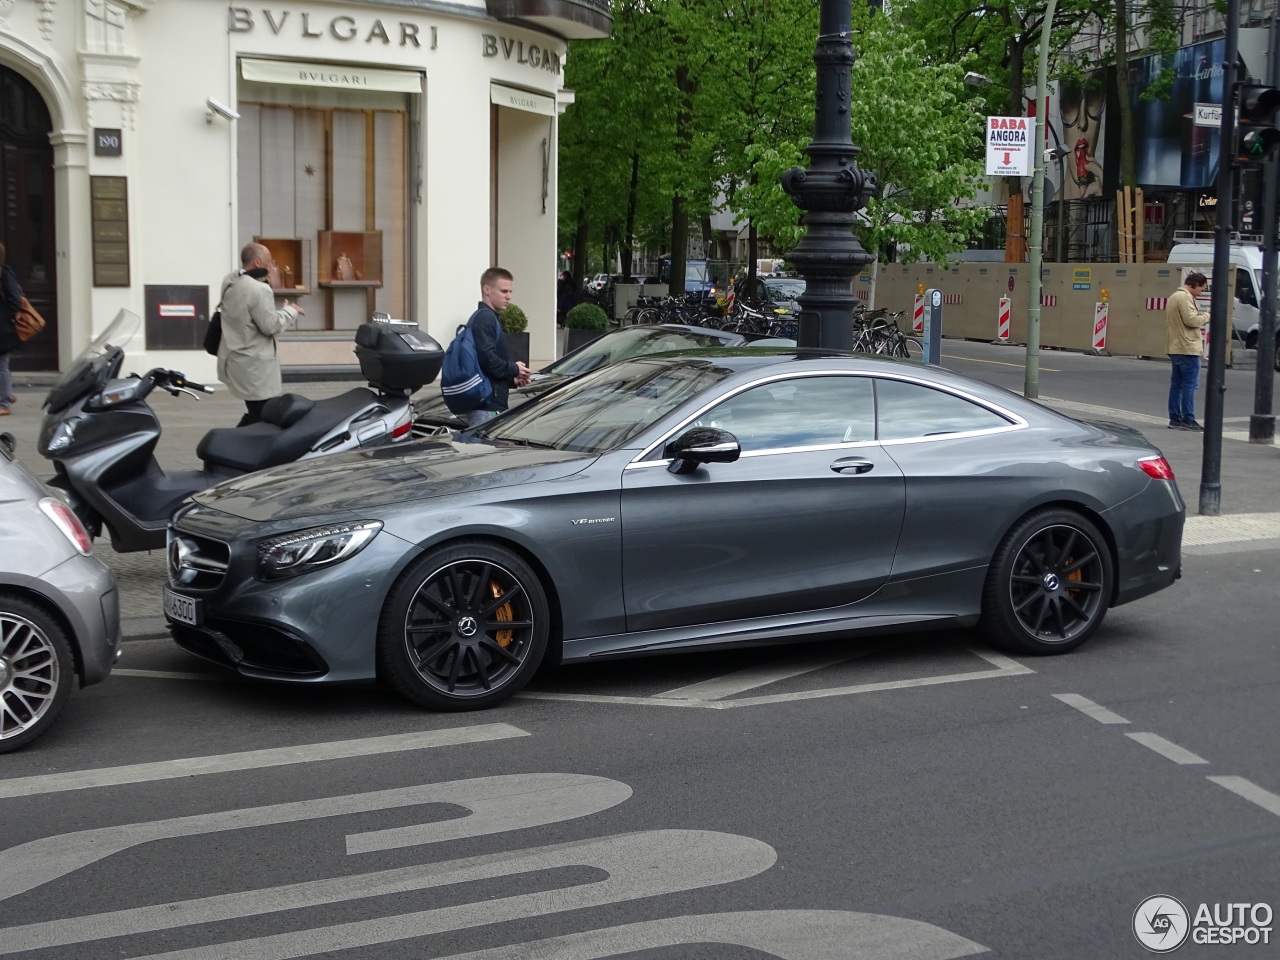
(921, 137)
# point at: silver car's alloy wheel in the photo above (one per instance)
(35, 672)
(465, 628)
(1049, 585)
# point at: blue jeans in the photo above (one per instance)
(6, 381)
(1184, 377)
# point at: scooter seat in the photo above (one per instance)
(287, 409)
(262, 445)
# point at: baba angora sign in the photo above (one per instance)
(1009, 141)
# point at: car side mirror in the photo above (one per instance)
(701, 445)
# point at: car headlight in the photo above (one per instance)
(302, 551)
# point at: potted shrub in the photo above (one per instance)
(584, 322)
(515, 329)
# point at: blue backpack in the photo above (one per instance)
(464, 385)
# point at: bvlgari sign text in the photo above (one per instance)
(540, 58)
(342, 27)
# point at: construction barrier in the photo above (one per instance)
(1100, 326)
(917, 315)
(1003, 320)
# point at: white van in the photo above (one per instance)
(1246, 259)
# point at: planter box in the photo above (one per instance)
(579, 337)
(517, 346)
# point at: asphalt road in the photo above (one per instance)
(924, 796)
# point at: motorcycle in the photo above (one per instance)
(101, 434)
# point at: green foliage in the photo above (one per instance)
(587, 316)
(513, 319)
(921, 137)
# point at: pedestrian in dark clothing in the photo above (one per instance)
(10, 304)
(491, 347)
(566, 297)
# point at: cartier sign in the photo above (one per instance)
(340, 27)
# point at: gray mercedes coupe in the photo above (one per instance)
(705, 500)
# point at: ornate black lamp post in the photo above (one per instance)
(830, 191)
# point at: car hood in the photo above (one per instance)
(362, 481)
(432, 410)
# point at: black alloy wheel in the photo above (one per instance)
(36, 671)
(1049, 584)
(464, 628)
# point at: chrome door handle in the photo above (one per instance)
(854, 465)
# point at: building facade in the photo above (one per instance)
(386, 152)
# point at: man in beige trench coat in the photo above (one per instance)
(247, 361)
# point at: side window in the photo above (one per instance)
(905, 411)
(804, 412)
(1244, 288)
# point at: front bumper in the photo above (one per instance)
(318, 627)
(84, 590)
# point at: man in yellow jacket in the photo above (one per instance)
(1183, 320)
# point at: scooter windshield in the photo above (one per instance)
(91, 365)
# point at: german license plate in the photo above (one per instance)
(180, 608)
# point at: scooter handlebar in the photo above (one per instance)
(179, 380)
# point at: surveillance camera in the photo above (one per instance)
(221, 109)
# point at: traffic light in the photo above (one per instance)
(1257, 136)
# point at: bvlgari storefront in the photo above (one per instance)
(387, 152)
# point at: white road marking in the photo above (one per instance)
(786, 934)
(532, 799)
(255, 759)
(742, 680)
(1166, 748)
(1089, 708)
(1005, 667)
(1267, 800)
(171, 675)
(638, 865)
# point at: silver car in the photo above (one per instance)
(59, 606)
(711, 500)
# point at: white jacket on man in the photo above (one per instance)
(247, 361)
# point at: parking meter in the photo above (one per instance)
(933, 326)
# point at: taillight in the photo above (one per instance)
(68, 523)
(1156, 467)
(402, 431)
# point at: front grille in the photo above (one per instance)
(199, 563)
(250, 645)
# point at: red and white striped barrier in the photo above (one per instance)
(863, 294)
(917, 315)
(1100, 326)
(1048, 300)
(954, 299)
(1002, 320)
(1157, 303)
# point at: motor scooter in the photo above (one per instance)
(101, 434)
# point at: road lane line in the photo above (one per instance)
(795, 934)
(998, 363)
(1166, 748)
(254, 759)
(1241, 787)
(1089, 708)
(636, 866)
(740, 681)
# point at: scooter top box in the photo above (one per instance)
(397, 355)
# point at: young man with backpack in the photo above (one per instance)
(502, 372)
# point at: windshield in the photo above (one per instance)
(627, 343)
(695, 270)
(603, 410)
(784, 289)
(83, 372)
